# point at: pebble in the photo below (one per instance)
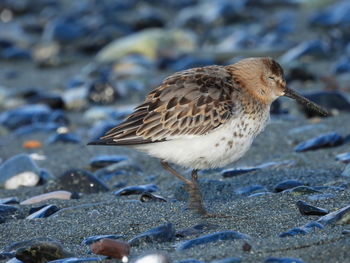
(38, 250)
(283, 260)
(136, 189)
(346, 171)
(152, 257)
(339, 217)
(227, 260)
(111, 248)
(75, 99)
(77, 260)
(32, 144)
(65, 137)
(77, 180)
(307, 209)
(39, 97)
(227, 173)
(8, 212)
(343, 157)
(148, 197)
(102, 92)
(224, 235)
(293, 232)
(19, 170)
(163, 233)
(9, 200)
(322, 141)
(93, 239)
(62, 195)
(105, 160)
(44, 212)
(287, 184)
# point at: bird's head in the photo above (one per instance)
(264, 79)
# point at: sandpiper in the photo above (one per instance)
(205, 117)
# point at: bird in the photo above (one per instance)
(205, 118)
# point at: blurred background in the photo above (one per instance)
(85, 64)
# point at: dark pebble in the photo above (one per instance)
(105, 160)
(9, 200)
(307, 209)
(227, 260)
(38, 250)
(148, 197)
(39, 97)
(63, 138)
(224, 235)
(293, 232)
(77, 180)
(8, 212)
(44, 212)
(77, 260)
(283, 260)
(136, 189)
(15, 53)
(287, 184)
(102, 92)
(346, 232)
(343, 157)
(93, 239)
(322, 141)
(331, 100)
(341, 216)
(164, 233)
(238, 171)
(342, 65)
(313, 225)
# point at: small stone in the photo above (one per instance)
(38, 250)
(93, 239)
(287, 184)
(152, 257)
(136, 189)
(322, 141)
(20, 170)
(346, 171)
(32, 144)
(77, 180)
(9, 200)
(346, 232)
(8, 212)
(148, 197)
(75, 99)
(164, 233)
(106, 160)
(339, 217)
(343, 157)
(307, 209)
(224, 235)
(283, 260)
(246, 247)
(227, 260)
(44, 212)
(102, 92)
(62, 195)
(63, 138)
(111, 248)
(227, 173)
(293, 232)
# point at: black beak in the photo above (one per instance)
(308, 103)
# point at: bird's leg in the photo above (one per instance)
(192, 187)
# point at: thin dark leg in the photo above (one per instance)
(192, 187)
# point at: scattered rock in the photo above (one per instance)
(44, 212)
(9, 200)
(287, 184)
(63, 195)
(164, 233)
(343, 157)
(111, 248)
(20, 170)
(8, 212)
(65, 137)
(307, 209)
(136, 189)
(148, 197)
(283, 260)
(322, 141)
(339, 217)
(77, 180)
(224, 235)
(302, 190)
(156, 257)
(255, 188)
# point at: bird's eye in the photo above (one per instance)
(273, 78)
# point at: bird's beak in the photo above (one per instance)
(308, 103)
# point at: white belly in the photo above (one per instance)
(218, 148)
